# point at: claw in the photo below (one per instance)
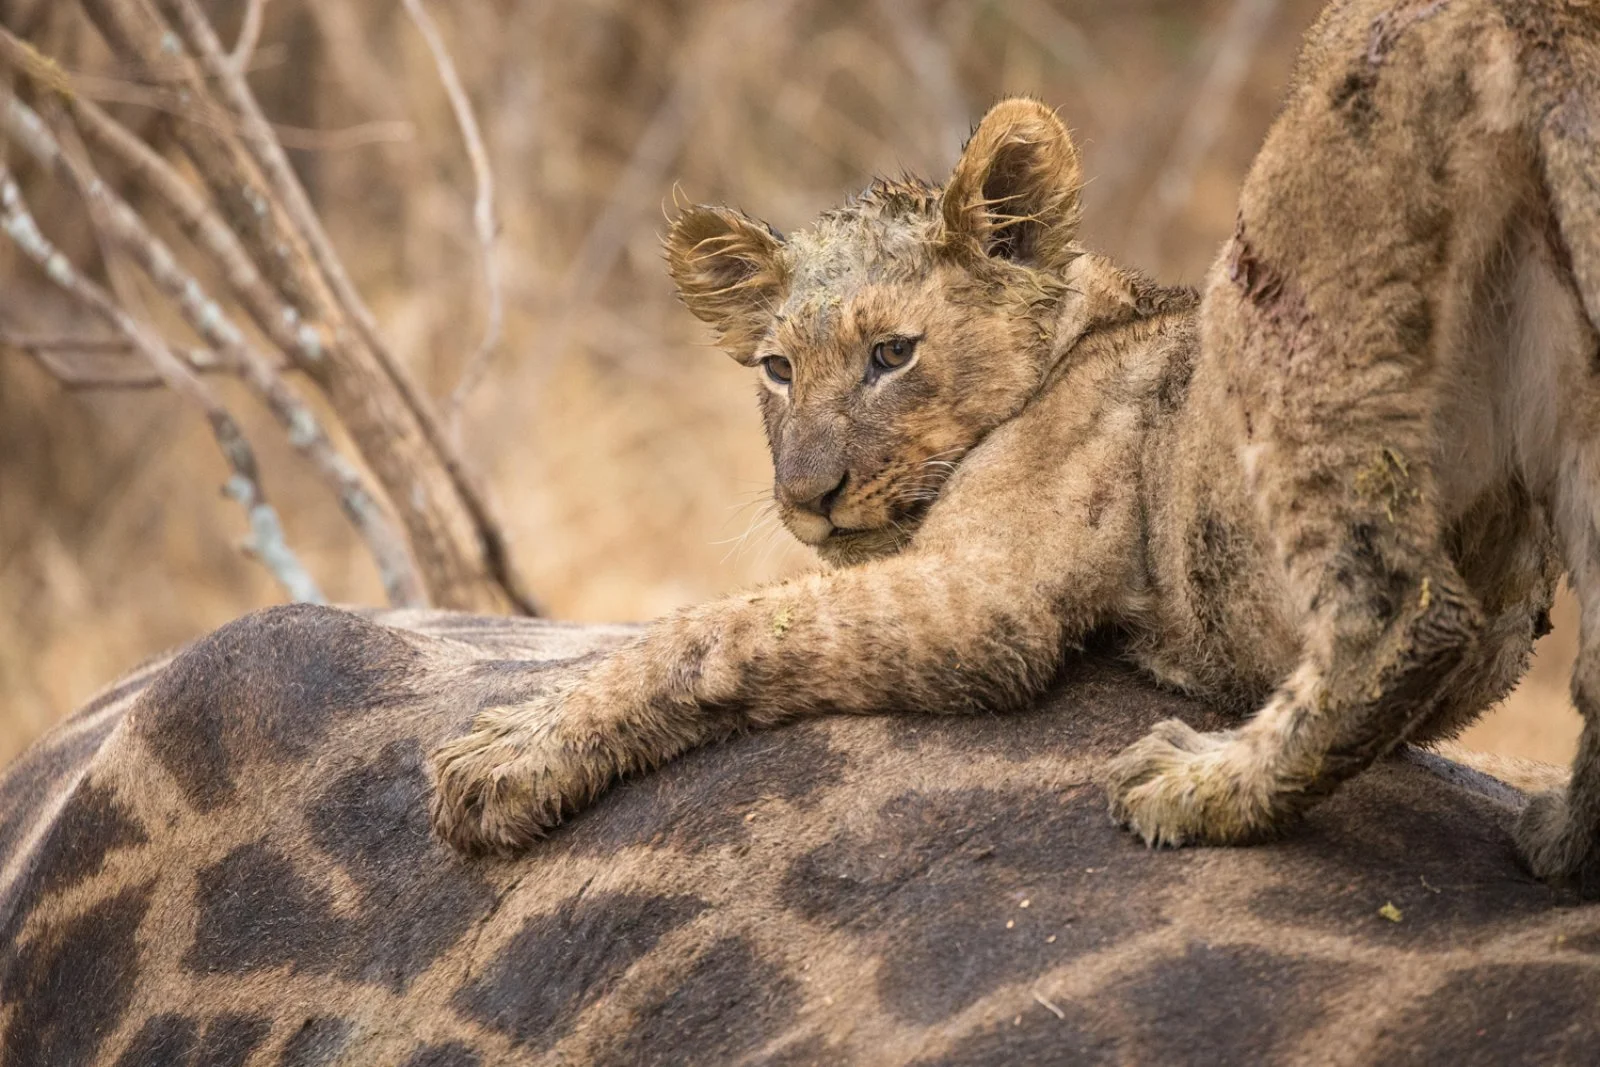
(1176, 786)
(507, 782)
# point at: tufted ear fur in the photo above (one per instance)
(728, 268)
(1014, 192)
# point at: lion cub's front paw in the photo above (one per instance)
(503, 785)
(1556, 849)
(1176, 786)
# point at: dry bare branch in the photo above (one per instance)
(266, 532)
(211, 322)
(270, 157)
(484, 220)
(457, 542)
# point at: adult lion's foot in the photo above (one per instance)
(507, 782)
(1177, 786)
(1557, 849)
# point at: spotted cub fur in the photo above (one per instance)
(1336, 491)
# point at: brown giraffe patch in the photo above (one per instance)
(939, 879)
(317, 1043)
(163, 1039)
(229, 1040)
(1450, 867)
(372, 822)
(569, 956)
(448, 1054)
(72, 983)
(1174, 1015)
(38, 773)
(725, 1007)
(266, 687)
(256, 912)
(1526, 1013)
(663, 809)
(91, 825)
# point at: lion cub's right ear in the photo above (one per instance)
(728, 268)
(1014, 192)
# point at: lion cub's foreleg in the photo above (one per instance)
(1559, 832)
(1026, 551)
(921, 631)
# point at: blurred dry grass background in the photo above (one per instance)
(624, 452)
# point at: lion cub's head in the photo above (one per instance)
(897, 331)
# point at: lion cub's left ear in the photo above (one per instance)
(729, 269)
(1014, 192)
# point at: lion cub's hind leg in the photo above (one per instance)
(1505, 549)
(1388, 620)
(1335, 321)
(1559, 833)
(1560, 430)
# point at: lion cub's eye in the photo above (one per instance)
(893, 353)
(778, 369)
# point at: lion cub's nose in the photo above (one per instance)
(816, 493)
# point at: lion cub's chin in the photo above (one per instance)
(844, 548)
(840, 546)
(807, 528)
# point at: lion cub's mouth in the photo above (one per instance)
(891, 532)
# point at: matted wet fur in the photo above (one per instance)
(1337, 491)
(225, 859)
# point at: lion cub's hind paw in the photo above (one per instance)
(1176, 786)
(1556, 850)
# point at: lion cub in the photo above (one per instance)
(1336, 491)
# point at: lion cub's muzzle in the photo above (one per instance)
(808, 499)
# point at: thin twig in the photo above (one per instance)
(207, 318)
(266, 533)
(84, 363)
(249, 36)
(483, 213)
